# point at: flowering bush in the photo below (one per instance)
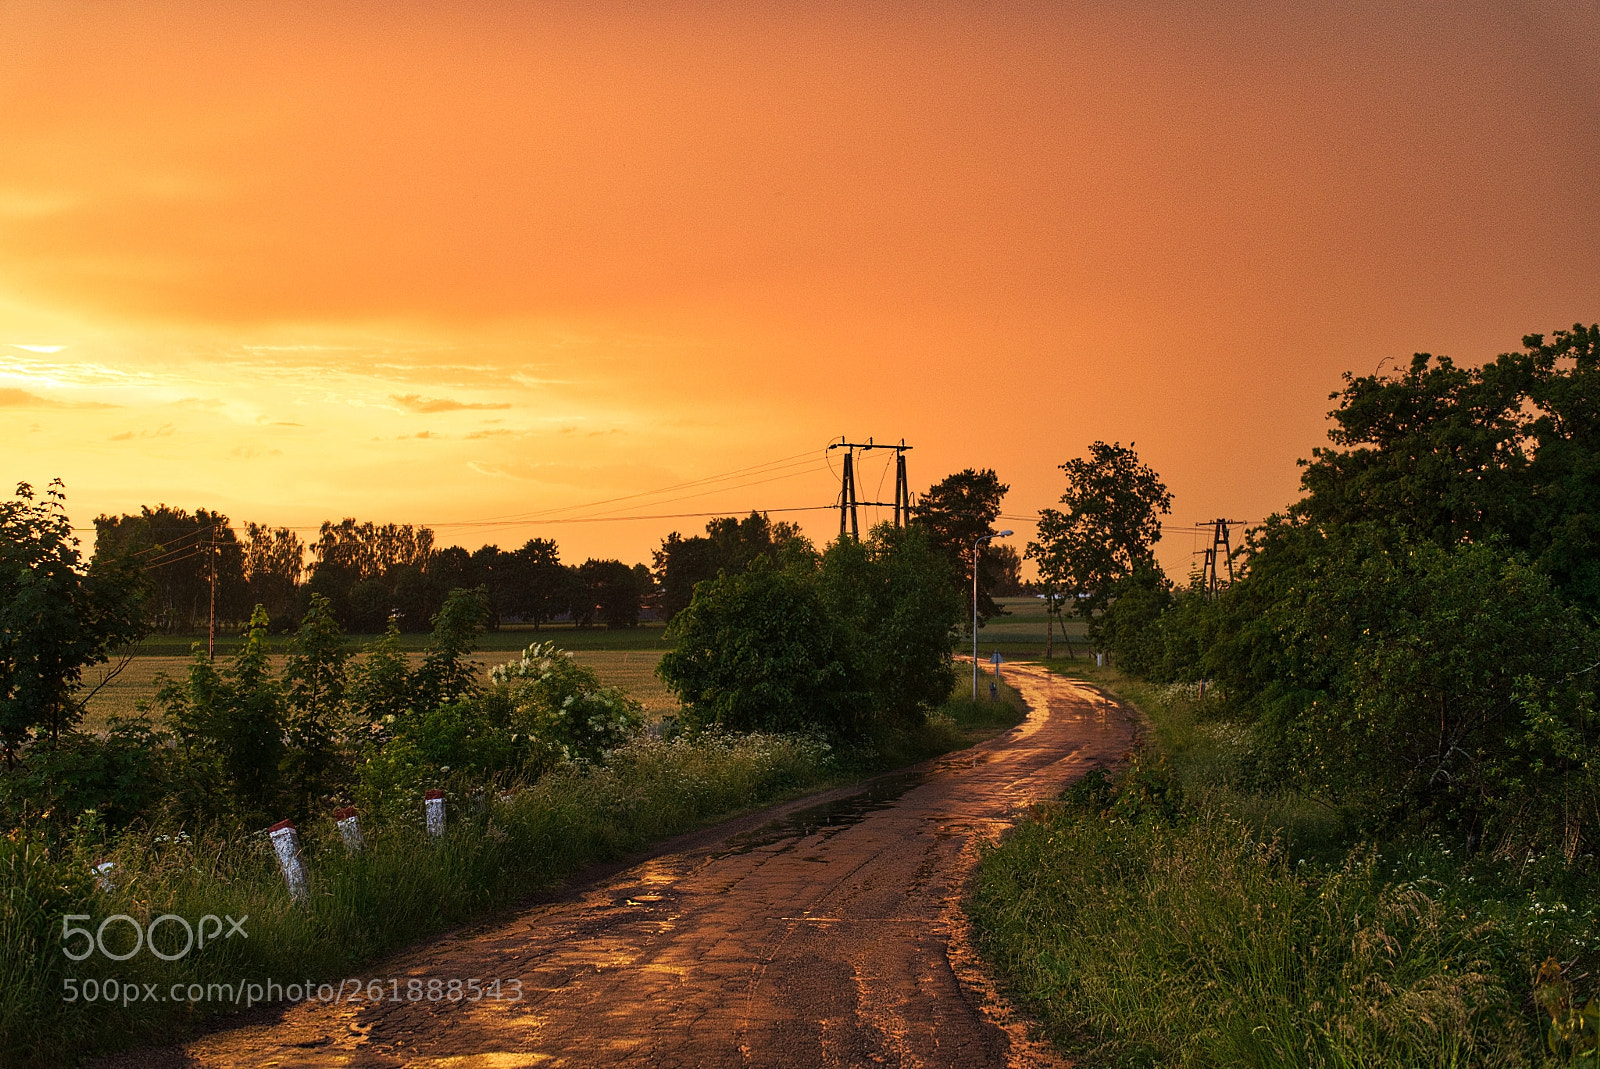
(552, 700)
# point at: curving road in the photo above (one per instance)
(824, 933)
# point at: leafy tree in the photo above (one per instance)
(1510, 450)
(759, 651)
(729, 545)
(955, 512)
(56, 616)
(274, 560)
(178, 553)
(863, 634)
(893, 597)
(615, 591)
(314, 685)
(1105, 534)
(1413, 678)
(1004, 563)
(231, 726)
(380, 688)
(1130, 628)
(541, 588)
(447, 671)
(369, 571)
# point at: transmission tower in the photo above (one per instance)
(848, 519)
(1210, 579)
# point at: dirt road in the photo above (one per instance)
(829, 936)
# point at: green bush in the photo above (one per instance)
(863, 635)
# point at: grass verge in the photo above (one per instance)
(1172, 915)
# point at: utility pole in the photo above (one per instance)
(1210, 579)
(211, 628)
(848, 518)
(847, 496)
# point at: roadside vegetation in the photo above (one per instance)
(1362, 829)
(541, 768)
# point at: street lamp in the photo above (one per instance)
(980, 540)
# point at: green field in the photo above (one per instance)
(507, 638)
(631, 669)
(1020, 633)
(622, 658)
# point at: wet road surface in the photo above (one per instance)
(830, 935)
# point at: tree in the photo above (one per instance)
(1510, 450)
(179, 553)
(615, 591)
(1111, 521)
(56, 616)
(541, 589)
(274, 560)
(893, 597)
(314, 684)
(864, 634)
(955, 512)
(447, 671)
(231, 725)
(729, 545)
(759, 651)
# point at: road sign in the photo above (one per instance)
(995, 658)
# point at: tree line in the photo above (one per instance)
(369, 574)
(197, 563)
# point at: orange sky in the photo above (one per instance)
(452, 263)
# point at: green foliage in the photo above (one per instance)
(610, 591)
(1509, 450)
(954, 513)
(1112, 519)
(892, 598)
(314, 684)
(552, 700)
(380, 685)
(864, 634)
(1130, 627)
(231, 728)
(119, 776)
(447, 671)
(56, 617)
(178, 555)
(758, 651)
(729, 545)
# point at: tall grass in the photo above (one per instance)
(403, 886)
(1186, 914)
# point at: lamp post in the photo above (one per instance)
(980, 540)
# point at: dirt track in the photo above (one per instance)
(825, 933)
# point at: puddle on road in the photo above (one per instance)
(829, 817)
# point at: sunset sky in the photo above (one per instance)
(479, 264)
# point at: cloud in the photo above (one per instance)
(13, 398)
(166, 430)
(39, 348)
(415, 402)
